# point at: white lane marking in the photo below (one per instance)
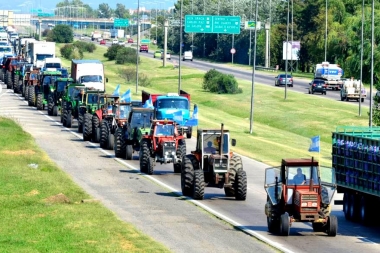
(365, 239)
(196, 202)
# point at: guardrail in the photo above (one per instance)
(266, 69)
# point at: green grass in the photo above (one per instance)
(35, 217)
(281, 127)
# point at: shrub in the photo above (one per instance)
(217, 82)
(66, 51)
(76, 54)
(126, 55)
(45, 32)
(112, 52)
(85, 46)
(61, 34)
(129, 74)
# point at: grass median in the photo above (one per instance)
(41, 208)
(280, 127)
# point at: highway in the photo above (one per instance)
(149, 203)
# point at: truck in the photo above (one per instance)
(356, 161)
(353, 90)
(117, 33)
(38, 51)
(88, 72)
(331, 73)
(95, 35)
(168, 106)
(106, 35)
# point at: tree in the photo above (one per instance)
(61, 34)
(105, 11)
(121, 11)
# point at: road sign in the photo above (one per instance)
(35, 10)
(250, 25)
(155, 42)
(44, 14)
(120, 22)
(232, 51)
(145, 41)
(212, 24)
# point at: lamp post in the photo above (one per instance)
(253, 72)
(326, 34)
(372, 52)
(233, 35)
(204, 35)
(287, 47)
(138, 45)
(361, 61)
(180, 50)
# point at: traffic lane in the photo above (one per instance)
(151, 207)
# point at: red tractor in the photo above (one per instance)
(300, 191)
(163, 144)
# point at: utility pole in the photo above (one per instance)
(138, 45)
(166, 24)
(180, 50)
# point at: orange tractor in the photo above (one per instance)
(163, 144)
(300, 191)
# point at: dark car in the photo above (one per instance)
(282, 79)
(317, 85)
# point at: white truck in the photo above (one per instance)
(353, 90)
(117, 33)
(331, 73)
(39, 51)
(95, 35)
(88, 72)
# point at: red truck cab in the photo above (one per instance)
(144, 48)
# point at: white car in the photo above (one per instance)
(187, 55)
(121, 43)
(168, 56)
(115, 42)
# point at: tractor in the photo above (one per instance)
(122, 112)
(300, 191)
(214, 164)
(69, 108)
(131, 132)
(45, 88)
(163, 144)
(31, 81)
(25, 69)
(10, 66)
(55, 97)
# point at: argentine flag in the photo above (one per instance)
(116, 92)
(126, 97)
(314, 146)
(148, 103)
(194, 119)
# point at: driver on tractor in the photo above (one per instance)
(299, 178)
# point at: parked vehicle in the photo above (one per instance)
(213, 164)
(317, 85)
(300, 191)
(356, 160)
(187, 55)
(282, 79)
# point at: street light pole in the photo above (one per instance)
(253, 72)
(204, 35)
(372, 52)
(180, 50)
(233, 35)
(138, 45)
(326, 34)
(361, 61)
(286, 48)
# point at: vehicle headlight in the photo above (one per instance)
(166, 153)
(304, 204)
(165, 144)
(314, 204)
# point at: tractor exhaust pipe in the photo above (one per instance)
(311, 174)
(221, 140)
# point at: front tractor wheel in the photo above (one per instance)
(119, 143)
(285, 225)
(40, 105)
(332, 226)
(146, 160)
(95, 128)
(199, 185)
(240, 185)
(104, 130)
(128, 152)
(180, 153)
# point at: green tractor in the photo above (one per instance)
(55, 97)
(71, 99)
(45, 87)
(92, 100)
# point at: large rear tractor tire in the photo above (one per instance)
(67, 118)
(332, 226)
(180, 153)
(120, 147)
(95, 129)
(50, 105)
(146, 160)
(16, 84)
(80, 123)
(26, 92)
(189, 165)
(199, 185)
(104, 130)
(240, 185)
(40, 105)
(87, 127)
(285, 225)
(9, 80)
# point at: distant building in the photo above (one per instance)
(8, 18)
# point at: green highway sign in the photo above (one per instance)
(251, 24)
(212, 24)
(120, 22)
(44, 14)
(35, 10)
(145, 41)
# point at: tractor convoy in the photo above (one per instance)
(154, 131)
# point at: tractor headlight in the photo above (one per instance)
(165, 144)
(173, 153)
(314, 204)
(166, 153)
(304, 204)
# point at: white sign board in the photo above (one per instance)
(291, 51)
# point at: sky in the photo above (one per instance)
(24, 6)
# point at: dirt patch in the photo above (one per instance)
(19, 152)
(58, 199)
(32, 193)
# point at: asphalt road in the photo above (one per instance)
(154, 203)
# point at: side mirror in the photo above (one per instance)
(233, 142)
(106, 79)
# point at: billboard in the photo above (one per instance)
(292, 50)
